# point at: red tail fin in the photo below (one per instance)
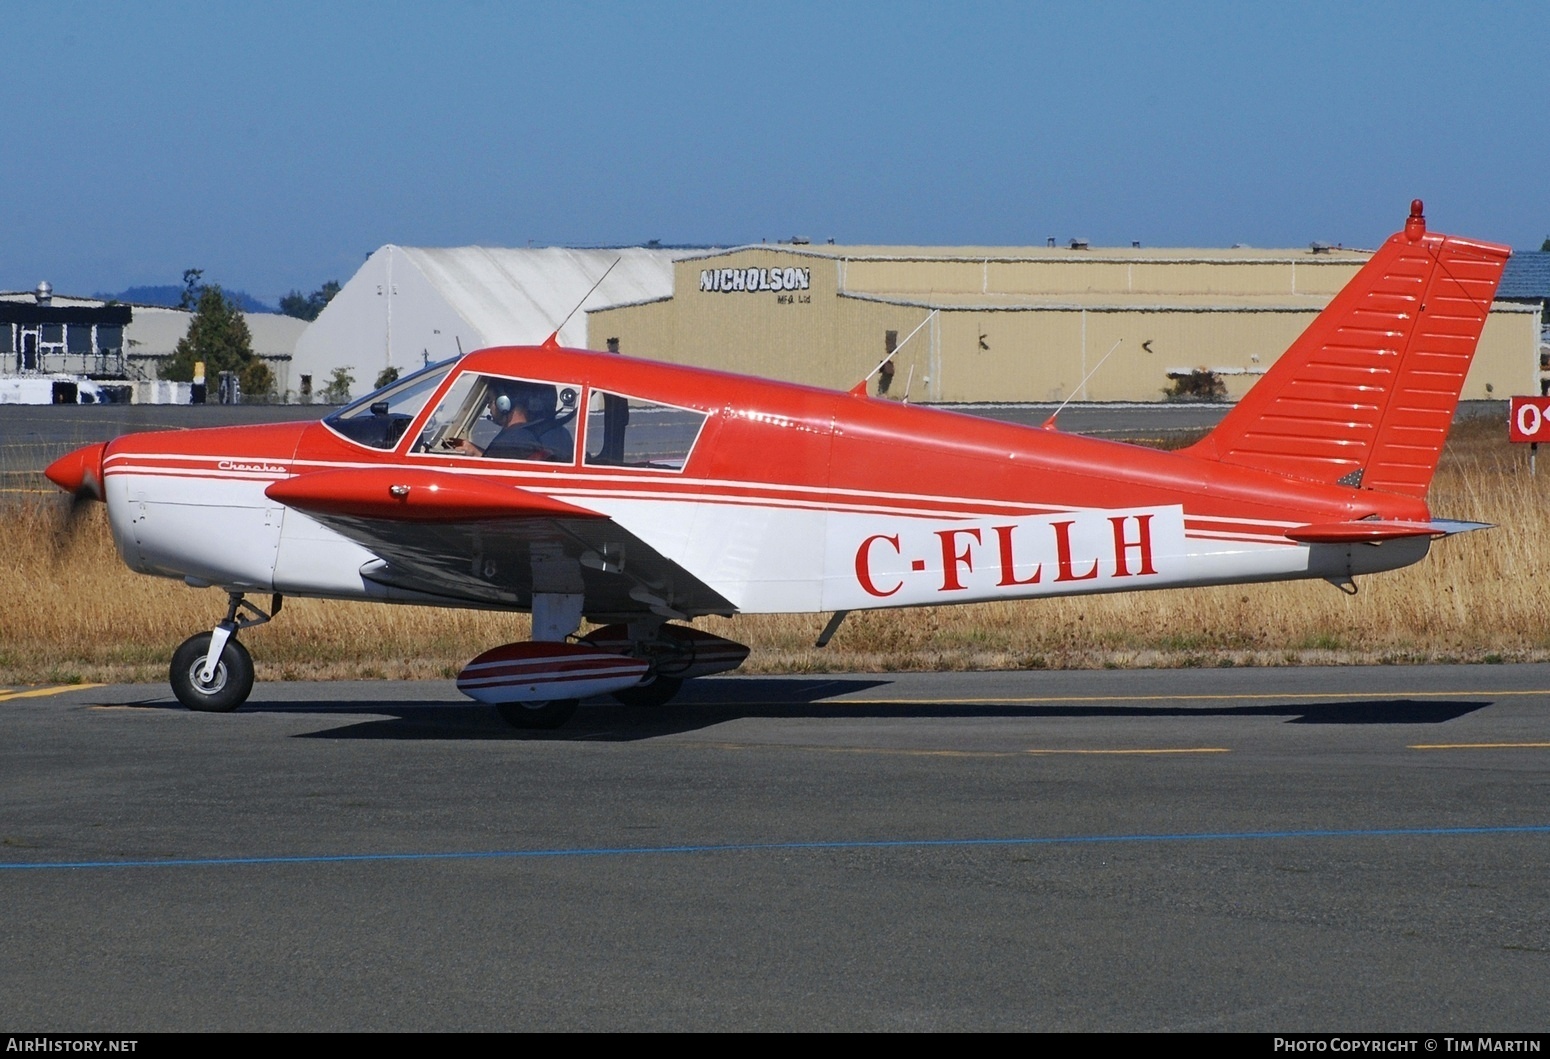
(1365, 396)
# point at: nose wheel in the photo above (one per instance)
(211, 672)
(226, 688)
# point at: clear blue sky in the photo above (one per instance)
(275, 145)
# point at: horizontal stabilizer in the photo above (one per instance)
(1376, 531)
(416, 495)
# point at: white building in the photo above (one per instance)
(410, 306)
(47, 338)
(154, 333)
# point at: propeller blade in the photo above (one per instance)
(78, 473)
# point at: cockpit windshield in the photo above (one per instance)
(379, 419)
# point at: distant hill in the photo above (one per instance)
(171, 295)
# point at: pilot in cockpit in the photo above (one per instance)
(529, 428)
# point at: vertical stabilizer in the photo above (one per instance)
(1365, 396)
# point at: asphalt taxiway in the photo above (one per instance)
(1236, 849)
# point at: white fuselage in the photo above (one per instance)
(767, 549)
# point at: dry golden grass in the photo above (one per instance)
(79, 614)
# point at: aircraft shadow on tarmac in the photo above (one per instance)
(735, 698)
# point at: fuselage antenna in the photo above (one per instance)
(1049, 424)
(553, 341)
(901, 345)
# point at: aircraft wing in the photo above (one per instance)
(483, 542)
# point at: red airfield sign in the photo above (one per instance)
(1529, 419)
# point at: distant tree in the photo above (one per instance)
(385, 376)
(308, 306)
(295, 304)
(1544, 247)
(191, 287)
(1202, 384)
(218, 335)
(257, 380)
(338, 389)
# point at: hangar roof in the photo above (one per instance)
(1231, 255)
(409, 305)
(1527, 276)
(1111, 301)
(1101, 301)
(514, 295)
(157, 330)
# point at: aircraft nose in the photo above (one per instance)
(79, 473)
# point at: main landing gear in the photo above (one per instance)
(658, 692)
(673, 654)
(536, 683)
(550, 713)
(212, 672)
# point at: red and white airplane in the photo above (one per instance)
(639, 495)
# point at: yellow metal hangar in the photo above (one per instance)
(1014, 323)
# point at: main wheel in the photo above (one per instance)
(657, 693)
(550, 714)
(228, 686)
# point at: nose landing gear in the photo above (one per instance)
(226, 687)
(211, 672)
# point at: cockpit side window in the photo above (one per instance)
(498, 418)
(379, 419)
(633, 433)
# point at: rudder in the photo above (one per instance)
(1366, 394)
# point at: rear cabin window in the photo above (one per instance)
(640, 435)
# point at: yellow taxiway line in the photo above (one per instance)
(1153, 750)
(909, 752)
(37, 693)
(1479, 746)
(1245, 696)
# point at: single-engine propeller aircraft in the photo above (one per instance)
(639, 495)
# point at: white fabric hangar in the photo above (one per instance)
(409, 306)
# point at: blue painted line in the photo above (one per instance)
(762, 847)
